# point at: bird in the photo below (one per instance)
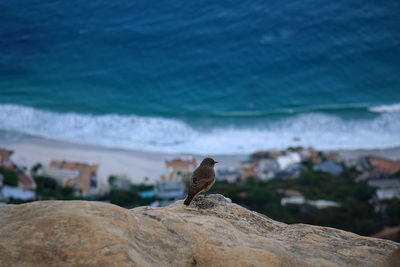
(201, 180)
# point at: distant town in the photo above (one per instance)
(286, 179)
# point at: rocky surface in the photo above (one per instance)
(210, 232)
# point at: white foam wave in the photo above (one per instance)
(169, 135)
(386, 108)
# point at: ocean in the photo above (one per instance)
(207, 77)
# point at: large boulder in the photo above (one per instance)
(211, 231)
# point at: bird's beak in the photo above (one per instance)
(215, 162)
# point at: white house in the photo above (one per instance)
(286, 160)
(17, 193)
(387, 188)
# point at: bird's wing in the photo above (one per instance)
(202, 176)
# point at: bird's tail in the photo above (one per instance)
(189, 199)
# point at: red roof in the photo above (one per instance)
(384, 165)
(178, 162)
(24, 180)
(4, 154)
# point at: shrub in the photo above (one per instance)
(10, 177)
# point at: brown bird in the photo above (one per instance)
(202, 179)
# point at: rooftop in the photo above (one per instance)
(181, 163)
(385, 183)
(4, 154)
(385, 165)
(70, 165)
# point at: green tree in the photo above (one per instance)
(111, 181)
(10, 177)
(356, 214)
(395, 175)
(124, 198)
(397, 237)
(393, 211)
(65, 193)
(35, 168)
(45, 186)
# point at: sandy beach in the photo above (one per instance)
(135, 165)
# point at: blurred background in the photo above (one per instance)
(120, 100)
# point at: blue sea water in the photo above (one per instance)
(202, 76)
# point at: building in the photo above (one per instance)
(231, 175)
(386, 188)
(260, 155)
(371, 175)
(267, 168)
(5, 157)
(8, 192)
(333, 156)
(122, 183)
(274, 153)
(248, 169)
(173, 185)
(180, 169)
(290, 158)
(171, 190)
(291, 197)
(25, 182)
(292, 171)
(384, 165)
(363, 165)
(315, 156)
(322, 204)
(319, 204)
(297, 198)
(293, 200)
(374, 168)
(80, 176)
(329, 167)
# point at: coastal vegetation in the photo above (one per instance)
(127, 198)
(10, 177)
(356, 212)
(47, 188)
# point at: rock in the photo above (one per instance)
(212, 231)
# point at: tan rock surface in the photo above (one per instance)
(210, 232)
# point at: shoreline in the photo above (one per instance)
(134, 164)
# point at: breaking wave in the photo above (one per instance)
(386, 108)
(319, 130)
